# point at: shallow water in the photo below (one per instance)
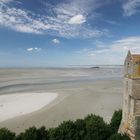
(19, 80)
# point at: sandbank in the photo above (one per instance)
(13, 105)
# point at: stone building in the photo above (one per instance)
(131, 98)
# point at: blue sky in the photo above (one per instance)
(41, 33)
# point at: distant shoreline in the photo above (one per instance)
(59, 67)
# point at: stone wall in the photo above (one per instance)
(131, 98)
(131, 108)
(136, 88)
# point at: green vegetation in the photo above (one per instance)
(6, 134)
(115, 121)
(119, 137)
(91, 127)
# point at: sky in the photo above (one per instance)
(49, 33)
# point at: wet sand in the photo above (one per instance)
(81, 92)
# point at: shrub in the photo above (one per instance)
(115, 121)
(5, 134)
(91, 127)
(64, 131)
(119, 137)
(80, 129)
(96, 128)
(34, 134)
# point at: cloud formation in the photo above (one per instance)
(120, 46)
(66, 21)
(131, 7)
(55, 41)
(112, 53)
(33, 49)
(5, 1)
(78, 19)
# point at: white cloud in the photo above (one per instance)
(122, 46)
(113, 53)
(33, 49)
(131, 7)
(76, 7)
(78, 19)
(37, 49)
(5, 1)
(85, 50)
(74, 12)
(129, 43)
(55, 41)
(19, 20)
(30, 49)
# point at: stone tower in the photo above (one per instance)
(131, 98)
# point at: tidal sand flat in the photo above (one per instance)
(14, 105)
(81, 91)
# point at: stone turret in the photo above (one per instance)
(131, 98)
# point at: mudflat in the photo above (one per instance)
(81, 91)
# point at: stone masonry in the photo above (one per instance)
(131, 98)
